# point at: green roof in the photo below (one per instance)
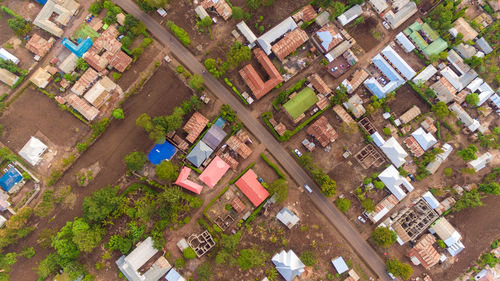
(301, 102)
(435, 47)
(416, 26)
(418, 40)
(433, 35)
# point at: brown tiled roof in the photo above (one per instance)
(280, 129)
(235, 144)
(85, 81)
(463, 27)
(342, 113)
(307, 13)
(222, 8)
(289, 43)
(410, 114)
(230, 161)
(181, 144)
(39, 46)
(460, 97)
(195, 126)
(388, 203)
(322, 103)
(444, 90)
(358, 77)
(322, 131)
(425, 252)
(120, 61)
(336, 38)
(413, 146)
(80, 105)
(243, 135)
(253, 80)
(428, 125)
(238, 205)
(113, 54)
(319, 84)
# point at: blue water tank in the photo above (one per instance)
(41, 1)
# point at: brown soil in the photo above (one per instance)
(410, 98)
(139, 67)
(122, 137)
(363, 35)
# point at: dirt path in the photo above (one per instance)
(159, 96)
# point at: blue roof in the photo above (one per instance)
(83, 46)
(214, 136)
(199, 154)
(10, 178)
(160, 152)
(386, 68)
(220, 122)
(41, 1)
(398, 62)
(173, 275)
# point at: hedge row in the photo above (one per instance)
(193, 168)
(274, 166)
(283, 95)
(235, 90)
(241, 174)
(417, 89)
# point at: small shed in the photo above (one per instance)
(32, 151)
(173, 275)
(340, 265)
(287, 217)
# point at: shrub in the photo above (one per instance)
(180, 262)
(308, 259)
(116, 76)
(448, 172)
(189, 253)
(368, 205)
(237, 13)
(441, 244)
(118, 113)
(343, 204)
(179, 32)
(387, 131)
(384, 237)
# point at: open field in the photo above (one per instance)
(363, 34)
(121, 137)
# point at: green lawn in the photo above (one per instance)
(301, 102)
(83, 32)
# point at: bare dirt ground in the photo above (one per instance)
(410, 98)
(139, 67)
(122, 137)
(363, 33)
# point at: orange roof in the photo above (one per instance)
(322, 131)
(238, 205)
(307, 13)
(253, 80)
(425, 252)
(214, 172)
(120, 61)
(319, 84)
(39, 46)
(183, 181)
(230, 161)
(234, 143)
(195, 126)
(413, 146)
(113, 55)
(251, 187)
(289, 43)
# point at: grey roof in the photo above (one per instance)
(431, 200)
(340, 265)
(323, 18)
(265, 40)
(425, 74)
(484, 46)
(396, 19)
(379, 5)
(350, 14)
(339, 50)
(201, 12)
(247, 32)
(465, 51)
(287, 217)
(405, 42)
(129, 265)
(199, 154)
(214, 136)
(459, 82)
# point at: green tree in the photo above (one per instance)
(472, 99)
(239, 53)
(237, 13)
(441, 244)
(179, 32)
(338, 8)
(86, 238)
(340, 94)
(189, 253)
(167, 170)
(144, 121)
(157, 134)
(82, 64)
(250, 258)
(215, 67)
(135, 160)
(398, 268)
(227, 113)
(95, 8)
(279, 188)
(203, 272)
(491, 188)
(474, 61)
(387, 131)
(118, 113)
(206, 22)
(384, 236)
(471, 199)
(368, 205)
(19, 26)
(48, 266)
(488, 259)
(308, 259)
(343, 204)
(378, 184)
(196, 82)
(101, 204)
(230, 242)
(329, 188)
(117, 242)
(63, 243)
(440, 109)
(468, 153)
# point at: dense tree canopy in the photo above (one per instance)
(135, 160)
(101, 204)
(384, 236)
(398, 268)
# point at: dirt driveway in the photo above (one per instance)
(159, 96)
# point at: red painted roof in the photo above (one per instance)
(214, 172)
(251, 187)
(183, 181)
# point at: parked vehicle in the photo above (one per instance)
(308, 188)
(297, 152)
(386, 25)
(361, 219)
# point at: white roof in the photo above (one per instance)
(102, 86)
(456, 248)
(3, 220)
(340, 265)
(350, 14)
(447, 148)
(7, 77)
(379, 5)
(396, 19)
(474, 85)
(288, 264)
(431, 200)
(64, 9)
(247, 32)
(201, 12)
(446, 231)
(5, 55)
(395, 152)
(424, 139)
(405, 42)
(33, 150)
(266, 39)
(425, 74)
(69, 63)
(398, 62)
(287, 217)
(40, 78)
(393, 181)
(140, 255)
(481, 161)
(378, 139)
(485, 93)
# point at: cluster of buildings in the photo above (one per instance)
(394, 16)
